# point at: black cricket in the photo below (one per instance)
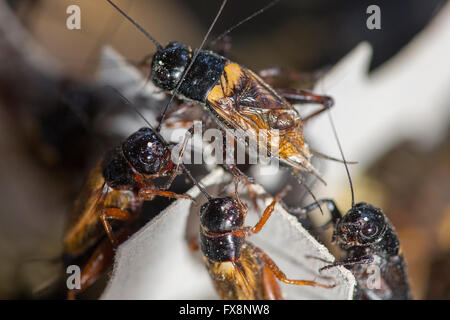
(369, 240)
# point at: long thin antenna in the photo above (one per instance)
(110, 29)
(199, 186)
(190, 65)
(311, 170)
(343, 157)
(157, 44)
(271, 4)
(84, 120)
(300, 180)
(181, 164)
(333, 127)
(128, 102)
(324, 156)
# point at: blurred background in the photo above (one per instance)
(47, 147)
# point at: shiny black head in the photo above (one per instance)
(169, 64)
(363, 225)
(116, 171)
(222, 215)
(146, 152)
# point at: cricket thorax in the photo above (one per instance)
(170, 64)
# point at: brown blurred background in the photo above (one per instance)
(411, 185)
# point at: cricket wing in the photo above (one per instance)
(83, 227)
(243, 102)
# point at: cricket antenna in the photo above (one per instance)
(333, 127)
(181, 164)
(343, 157)
(199, 186)
(271, 4)
(301, 181)
(157, 44)
(128, 102)
(163, 115)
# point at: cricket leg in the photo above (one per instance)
(281, 77)
(230, 166)
(193, 243)
(349, 262)
(301, 212)
(305, 96)
(99, 262)
(266, 215)
(272, 290)
(150, 193)
(282, 277)
(113, 214)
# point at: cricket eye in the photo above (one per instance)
(369, 230)
(163, 74)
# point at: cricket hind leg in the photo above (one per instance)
(271, 265)
(99, 262)
(96, 266)
(273, 76)
(285, 77)
(113, 214)
(272, 290)
(305, 96)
